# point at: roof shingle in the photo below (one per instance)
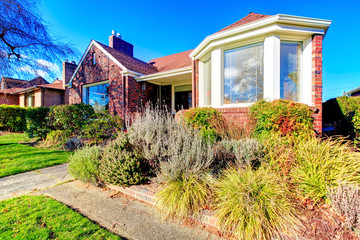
(171, 62)
(130, 62)
(251, 17)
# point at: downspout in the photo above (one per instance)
(123, 96)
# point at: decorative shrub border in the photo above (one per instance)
(144, 194)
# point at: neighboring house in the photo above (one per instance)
(34, 93)
(258, 57)
(354, 92)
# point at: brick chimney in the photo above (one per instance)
(117, 43)
(68, 70)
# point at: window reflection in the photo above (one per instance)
(244, 74)
(289, 70)
(97, 96)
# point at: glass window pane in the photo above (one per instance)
(97, 96)
(244, 74)
(289, 70)
(207, 82)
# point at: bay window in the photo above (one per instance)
(97, 95)
(244, 74)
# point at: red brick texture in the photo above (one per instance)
(9, 99)
(195, 83)
(317, 80)
(144, 194)
(119, 85)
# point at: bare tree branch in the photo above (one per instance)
(26, 46)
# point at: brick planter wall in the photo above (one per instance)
(143, 193)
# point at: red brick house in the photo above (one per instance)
(34, 93)
(258, 57)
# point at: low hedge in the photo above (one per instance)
(12, 118)
(71, 118)
(342, 110)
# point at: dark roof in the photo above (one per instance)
(34, 82)
(130, 62)
(251, 17)
(7, 82)
(171, 62)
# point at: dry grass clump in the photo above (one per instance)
(254, 204)
(184, 196)
(321, 164)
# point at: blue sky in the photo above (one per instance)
(159, 28)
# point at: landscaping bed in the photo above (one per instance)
(22, 157)
(39, 217)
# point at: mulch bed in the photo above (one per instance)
(323, 223)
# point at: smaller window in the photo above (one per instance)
(93, 59)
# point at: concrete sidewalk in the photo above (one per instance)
(23, 183)
(122, 215)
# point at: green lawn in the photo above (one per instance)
(39, 217)
(17, 158)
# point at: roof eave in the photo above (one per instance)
(168, 73)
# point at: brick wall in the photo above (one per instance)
(9, 99)
(38, 98)
(317, 80)
(53, 97)
(106, 69)
(195, 83)
(68, 70)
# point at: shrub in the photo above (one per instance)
(56, 138)
(321, 164)
(205, 119)
(12, 118)
(70, 117)
(84, 164)
(187, 154)
(102, 127)
(184, 196)
(247, 152)
(149, 133)
(280, 155)
(345, 199)
(37, 122)
(230, 130)
(253, 204)
(356, 124)
(282, 116)
(121, 164)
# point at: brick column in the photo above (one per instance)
(317, 80)
(195, 83)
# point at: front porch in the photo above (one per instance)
(172, 88)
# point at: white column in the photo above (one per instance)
(306, 73)
(272, 67)
(172, 98)
(201, 85)
(216, 78)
